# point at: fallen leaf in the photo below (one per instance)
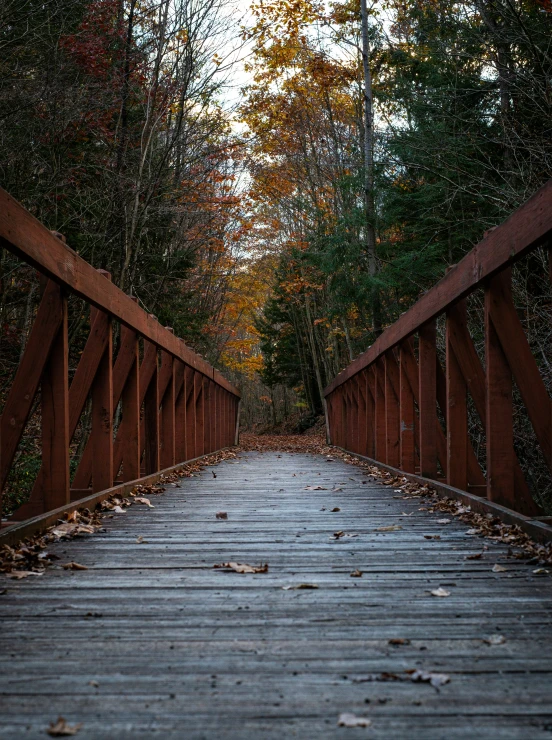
(243, 567)
(299, 586)
(473, 531)
(315, 488)
(391, 528)
(477, 556)
(435, 679)
(336, 508)
(440, 592)
(62, 729)
(221, 515)
(214, 474)
(399, 641)
(74, 566)
(19, 574)
(95, 684)
(356, 574)
(443, 521)
(541, 572)
(432, 536)
(495, 640)
(498, 568)
(141, 541)
(120, 510)
(346, 719)
(141, 500)
(340, 534)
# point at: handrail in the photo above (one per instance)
(524, 230)
(22, 234)
(384, 405)
(174, 405)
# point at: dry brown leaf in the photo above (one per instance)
(440, 592)
(243, 567)
(346, 719)
(398, 641)
(444, 521)
(541, 572)
(299, 586)
(390, 528)
(19, 574)
(141, 541)
(62, 729)
(498, 568)
(336, 508)
(142, 500)
(119, 510)
(315, 488)
(477, 556)
(432, 536)
(221, 515)
(356, 574)
(74, 566)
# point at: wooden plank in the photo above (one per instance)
(130, 407)
(124, 363)
(26, 237)
(154, 622)
(407, 414)
(527, 228)
(151, 421)
(190, 414)
(499, 413)
(521, 361)
(381, 440)
(199, 391)
(371, 413)
(27, 378)
(55, 417)
(167, 416)
(427, 400)
(101, 433)
(180, 411)
(474, 375)
(457, 417)
(392, 413)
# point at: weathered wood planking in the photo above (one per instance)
(180, 650)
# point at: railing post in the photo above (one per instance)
(207, 415)
(499, 409)
(354, 400)
(199, 385)
(151, 419)
(392, 421)
(55, 416)
(370, 412)
(456, 406)
(131, 410)
(379, 387)
(362, 413)
(102, 411)
(427, 399)
(179, 412)
(407, 415)
(189, 374)
(167, 423)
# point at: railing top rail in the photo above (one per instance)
(526, 229)
(22, 234)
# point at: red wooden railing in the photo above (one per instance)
(384, 405)
(173, 405)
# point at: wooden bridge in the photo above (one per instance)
(375, 608)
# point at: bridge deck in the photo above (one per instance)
(151, 641)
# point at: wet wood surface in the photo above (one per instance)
(152, 641)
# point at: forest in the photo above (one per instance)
(278, 181)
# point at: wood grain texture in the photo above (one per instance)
(151, 639)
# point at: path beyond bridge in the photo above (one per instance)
(152, 641)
